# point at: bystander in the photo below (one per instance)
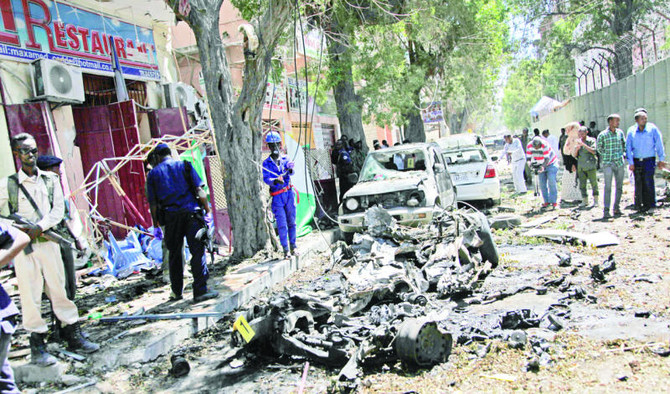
(643, 144)
(587, 166)
(611, 146)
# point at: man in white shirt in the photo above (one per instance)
(553, 142)
(515, 153)
(37, 196)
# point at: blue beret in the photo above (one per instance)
(44, 162)
(162, 147)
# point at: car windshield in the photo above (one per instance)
(396, 164)
(464, 156)
(457, 141)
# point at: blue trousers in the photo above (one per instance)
(177, 226)
(7, 384)
(283, 208)
(548, 187)
(645, 189)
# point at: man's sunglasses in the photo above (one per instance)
(25, 151)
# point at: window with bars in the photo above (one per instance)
(100, 90)
(305, 134)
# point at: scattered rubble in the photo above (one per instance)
(372, 309)
(597, 240)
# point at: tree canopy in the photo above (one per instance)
(604, 25)
(435, 51)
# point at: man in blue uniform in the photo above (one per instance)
(345, 170)
(277, 173)
(176, 197)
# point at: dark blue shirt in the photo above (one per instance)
(168, 188)
(272, 171)
(345, 156)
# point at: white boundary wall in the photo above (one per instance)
(649, 89)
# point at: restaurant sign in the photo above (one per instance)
(35, 29)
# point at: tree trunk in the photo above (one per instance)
(237, 125)
(458, 121)
(349, 103)
(415, 132)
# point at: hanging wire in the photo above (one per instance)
(297, 79)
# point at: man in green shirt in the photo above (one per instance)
(612, 147)
(587, 165)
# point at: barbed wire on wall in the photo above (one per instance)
(645, 45)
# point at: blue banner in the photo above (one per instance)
(33, 29)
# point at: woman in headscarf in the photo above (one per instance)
(569, 185)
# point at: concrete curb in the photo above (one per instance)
(149, 341)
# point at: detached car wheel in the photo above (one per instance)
(488, 250)
(347, 237)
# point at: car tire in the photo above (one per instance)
(488, 251)
(347, 237)
(501, 222)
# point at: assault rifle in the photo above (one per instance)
(22, 223)
(206, 233)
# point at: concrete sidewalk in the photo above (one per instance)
(146, 342)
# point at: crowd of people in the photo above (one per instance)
(583, 151)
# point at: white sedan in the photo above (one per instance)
(472, 171)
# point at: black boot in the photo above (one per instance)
(76, 341)
(38, 351)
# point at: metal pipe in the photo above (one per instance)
(653, 38)
(593, 76)
(639, 42)
(166, 316)
(609, 72)
(579, 85)
(601, 71)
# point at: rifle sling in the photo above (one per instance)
(30, 199)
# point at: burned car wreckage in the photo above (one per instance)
(410, 181)
(376, 304)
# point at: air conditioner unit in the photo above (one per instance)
(57, 82)
(180, 95)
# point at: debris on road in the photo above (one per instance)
(372, 308)
(596, 240)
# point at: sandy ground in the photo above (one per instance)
(585, 359)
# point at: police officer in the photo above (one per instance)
(176, 197)
(37, 196)
(52, 164)
(277, 171)
(345, 170)
(357, 156)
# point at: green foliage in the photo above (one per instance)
(249, 9)
(549, 73)
(449, 52)
(523, 90)
(591, 24)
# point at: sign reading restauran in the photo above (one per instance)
(34, 29)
